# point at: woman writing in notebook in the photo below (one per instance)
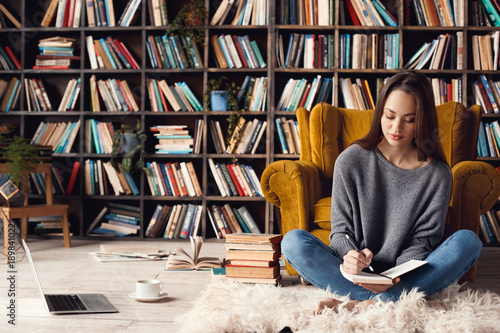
(390, 196)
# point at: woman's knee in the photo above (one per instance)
(468, 241)
(293, 240)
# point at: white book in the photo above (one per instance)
(158, 177)
(60, 13)
(156, 13)
(187, 179)
(234, 52)
(248, 13)
(429, 54)
(78, 12)
(495, 37)
(226, 12)
(67, 94)
(255, 180)
(245, 137)
(219, 12)
(113, 178)
(217, 179)
(72, 137)
(284, 93)
(99, 177)
(387, 277)
(259, 137)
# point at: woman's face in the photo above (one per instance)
(398, 119)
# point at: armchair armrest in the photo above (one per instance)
(294, 187)
(476, 188)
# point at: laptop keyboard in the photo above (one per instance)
(66, 302)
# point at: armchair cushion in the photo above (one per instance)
(322, 213)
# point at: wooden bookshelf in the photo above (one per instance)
(85, 208)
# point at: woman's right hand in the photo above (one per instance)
(355, 262)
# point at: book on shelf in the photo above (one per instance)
(60, 136)
(109, 53)
(8, 59)
(62, 47)
(12, 18)
(225, 48)
(101, 178)
(227, 220)
(178, 95)
(64, 14)
(173, 139)
(10, 94)
(170, 53)
(193, 261)
(115, 95)
(494, 225)
(158, 12)
(109, 223)
(99, 136)
(235, 179)
(173, 179)
(386, 277)
(304, 12)
(241, 12)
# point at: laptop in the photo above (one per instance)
(70, 303)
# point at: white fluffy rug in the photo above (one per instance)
(230, 307)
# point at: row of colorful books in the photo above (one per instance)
(9, 94)
(288, 135)
(233, 51)
(175, 139)
(172, 179)
(8, 59)
(443, 13)
(173, 52)
(66, 14)
(306, 12)
(59, 135)
(109, 53)
(480, 13)
(488, 143)
(101, 178)
(178, 221)
(487, 94)
(241, 12)
(234, 179)
(490, 226)
(246, 136)
(253, 258)
(301, 93)
(444, 51)
(115, 95)
(98, 136)
(101, 13)
(176, 97)
(357, 94)
(447, 90)
(370, 13)
(253, 93)
(227, 220)
(362, 51)
(116, 219)
(485, 51)
(306, 51)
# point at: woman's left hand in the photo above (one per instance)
(377, 288)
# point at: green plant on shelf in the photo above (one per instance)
(190, 22)
(128, 144)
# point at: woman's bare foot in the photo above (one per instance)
(331, 303)
(365, 304)
(435, 305)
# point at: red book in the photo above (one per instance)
(306, 93)
(449, 91)
(66, 13)
(237, 173)
(72, 178)
(125, 96)
(235, 180)
(240, 51)
(177, 169)
(71, 12)
(163, 100)
(170, 174)
(13, 57)
(127, 54)
(352, 12)
(46, 56)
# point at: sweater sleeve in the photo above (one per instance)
(429, 227)
(342, 212)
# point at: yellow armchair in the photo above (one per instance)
(302, 189)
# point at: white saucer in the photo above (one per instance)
(148, 299)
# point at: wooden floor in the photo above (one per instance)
(73, 270)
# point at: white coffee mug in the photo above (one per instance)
(148, 288)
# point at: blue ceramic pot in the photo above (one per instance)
(218, 100)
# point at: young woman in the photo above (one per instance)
(390, 195)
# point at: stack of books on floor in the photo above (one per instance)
(59, 47)
(116, 220)
(253, 258)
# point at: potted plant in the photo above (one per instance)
(18, 153)
(221, 95)
(190, 22)
(127, 142)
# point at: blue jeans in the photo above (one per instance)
(317, 263)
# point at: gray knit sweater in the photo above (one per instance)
(398, 214)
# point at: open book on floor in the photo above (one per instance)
(194, 262)
(386, 277)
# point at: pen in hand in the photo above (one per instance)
(357, 249)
